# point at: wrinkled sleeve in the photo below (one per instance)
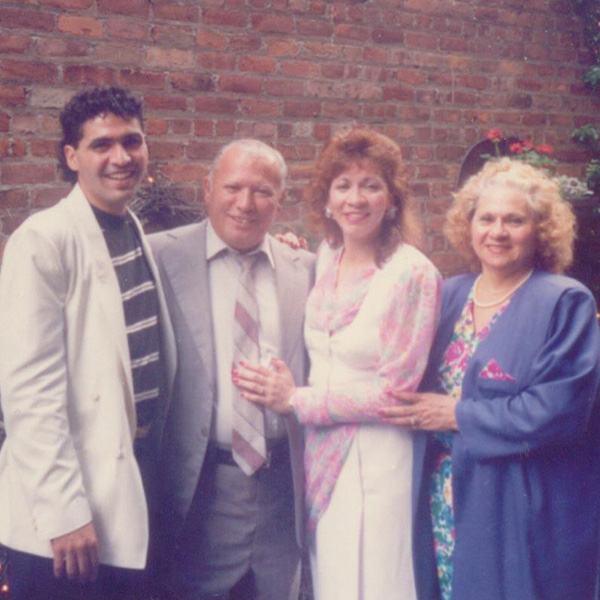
(406, 332)
(33, 380)
(554, 408)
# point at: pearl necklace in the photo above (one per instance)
(501, 300)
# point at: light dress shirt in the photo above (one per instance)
(224, 272)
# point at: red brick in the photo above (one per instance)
(192, 82)
(4, 122)
(12, 70)
(205, 38)
(311, 27)
(181, 126)
(284, 87)
(257, 64)
(269, 23)
(240, 85)
(88, 75)
(127, 29)
(333, 70)
(165, 150)
(72, 4)
(453, 44)
(341, 110)
(43, 148)
(398, 92)
(297, 151)
(203, 150)
(26, 19)
(176, 12)
(352, 32)
(382, 35)
(14, 44)
(253, 129)
(62, 47)
(19, 173)
(13, 198)
(259, 108)
(81, 26)
(281, 47)
(224, 17)
(213, 61)
(169, 58)
(245, 43)
(221, 106)
(115, 54)
(156, 126)
(203, 127)
(141, 78)
(49, 97)
(299, 68)
(173, 35)
(131, 7)
(424, 41)
(49, 124)
(301, 109)
(224, 128)
(165, 102)
(184, 172)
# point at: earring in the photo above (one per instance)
(390, 213)
(328, 214)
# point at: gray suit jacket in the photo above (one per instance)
(181, 258)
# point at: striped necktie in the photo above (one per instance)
(248, 436)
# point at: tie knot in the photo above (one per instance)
(249, 261)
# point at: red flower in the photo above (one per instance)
(516, 148)
(527, 145)
(494, 134)
(545, 149)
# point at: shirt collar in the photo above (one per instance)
(215, 246)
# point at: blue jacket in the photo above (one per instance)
(526, 458)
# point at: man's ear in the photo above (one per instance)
(71, 157)
(281, 200)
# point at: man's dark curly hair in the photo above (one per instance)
(86, 105)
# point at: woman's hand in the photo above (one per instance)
(292, 240)
(272, 387)
(426, 411)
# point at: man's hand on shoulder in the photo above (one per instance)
(76, 553)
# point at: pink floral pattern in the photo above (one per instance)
(332, 413)
(494, 371)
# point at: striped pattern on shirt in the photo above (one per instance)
(140, 307)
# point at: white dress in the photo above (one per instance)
(374, 333)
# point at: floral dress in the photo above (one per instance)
(450, 377)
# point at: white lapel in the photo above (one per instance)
(108, 294)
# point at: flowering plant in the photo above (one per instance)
(524, 150)
(538, 156)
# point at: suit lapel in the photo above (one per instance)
(187, 267)
(109, 293)
(290, 296)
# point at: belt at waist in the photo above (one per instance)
(278, 452)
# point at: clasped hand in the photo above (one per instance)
(424, 410)
(272, 387)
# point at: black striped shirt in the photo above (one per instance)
(140, 307)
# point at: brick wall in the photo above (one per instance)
(434, 75)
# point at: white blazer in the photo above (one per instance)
(66, 389)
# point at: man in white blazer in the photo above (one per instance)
(235, 535)
(73, 511)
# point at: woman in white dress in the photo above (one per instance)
(370, 321)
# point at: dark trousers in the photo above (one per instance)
(31, 578)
